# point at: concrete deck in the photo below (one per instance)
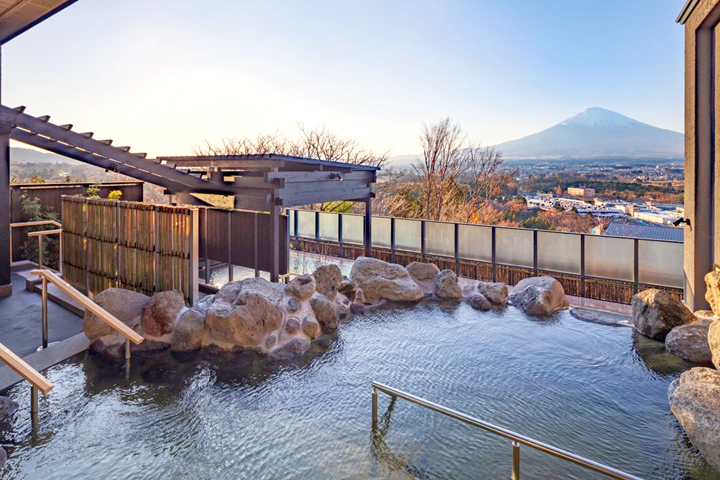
(21, 320)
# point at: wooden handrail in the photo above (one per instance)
(93, 307)
(25, 370)
(36, 224)
(42, 233)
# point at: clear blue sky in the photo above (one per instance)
(163, 75)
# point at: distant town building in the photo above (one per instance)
(583, 192)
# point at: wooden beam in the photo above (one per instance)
(228, 163)
(310, 187)
(334, 195)
(317, 176)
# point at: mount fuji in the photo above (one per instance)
(596, 132)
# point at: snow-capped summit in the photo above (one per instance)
(597, 132)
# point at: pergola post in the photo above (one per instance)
(275, 242)
(5, 260)
(368, 227)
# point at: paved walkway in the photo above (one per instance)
(21, 320)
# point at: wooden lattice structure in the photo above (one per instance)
(137, 246)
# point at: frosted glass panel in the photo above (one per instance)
(559, 252)
(440, 239)
(514, 247)
(353, 229)
(329, 226)
(475, 243)
(306, 223)
(660, 263)
(380, 232)
(407, 235)
(609, 257)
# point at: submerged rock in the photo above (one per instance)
(301, 287)
(125, 305)
(656, 312)
(325, 312)
(712, 294)
(160, 313)
(690, 341)
(447, 286)
(293, 348)
(327, 280)
(3, 457)
(496, 292)
(380, 280)
(539, 296)
(7, 407)
(479, 302)
(695, 402)
(189, 332)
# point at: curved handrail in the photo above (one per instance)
(24, 370)
(503, 432)
(93, 307)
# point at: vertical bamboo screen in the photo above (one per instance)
(136, 246)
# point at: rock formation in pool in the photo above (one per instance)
(655, 312)
(539, 296)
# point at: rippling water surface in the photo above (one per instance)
(592, 389)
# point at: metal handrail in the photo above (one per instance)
(40, 234)
(27, 372)
(516, 438)
(127, 332)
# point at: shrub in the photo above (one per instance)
(115, 195)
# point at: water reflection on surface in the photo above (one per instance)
(595, 390)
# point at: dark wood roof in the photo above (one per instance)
(251, 161)
(18, 16)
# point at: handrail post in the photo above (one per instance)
(40, 252)
(516, 461)
(374, 406)
(44, 313)
(34, 406)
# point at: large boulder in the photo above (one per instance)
(325, 312)
(712, 294)
(496, 292)
(479, 302)
(539, 296)
(447, 286)
(655, 312)
(160, 313)
(690, 341)
(124, 305)
(327, 280)
(714, 342)
(246, 314)
(380, 280)
(301, 287)
(424, 275)
(189, 331)
(695, 402)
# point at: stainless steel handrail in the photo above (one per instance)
(516, 438)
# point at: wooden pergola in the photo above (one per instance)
(271, 182)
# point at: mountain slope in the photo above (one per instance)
(596, 132)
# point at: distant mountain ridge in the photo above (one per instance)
(592, 133)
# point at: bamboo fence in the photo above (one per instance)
(137, 246)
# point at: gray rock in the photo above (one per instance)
(125, 305)
(714, 343)
(293, 305)
(160, 313)
(7, 407)
(712, 294)
(301, 287)
(270, 342)
(690, 341)
(479, 302)
(422, 272)
(496, 292)
(189, 332)
(695, 402)
(3, 457)
(293, 348)
(539, 296)
(327, 280)
(447, 286)
(325, 313)
(348, 288)
(205, 302)
(357, 307)
(311, 327)
(292, 325)
(380, 280)
(656, 312)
